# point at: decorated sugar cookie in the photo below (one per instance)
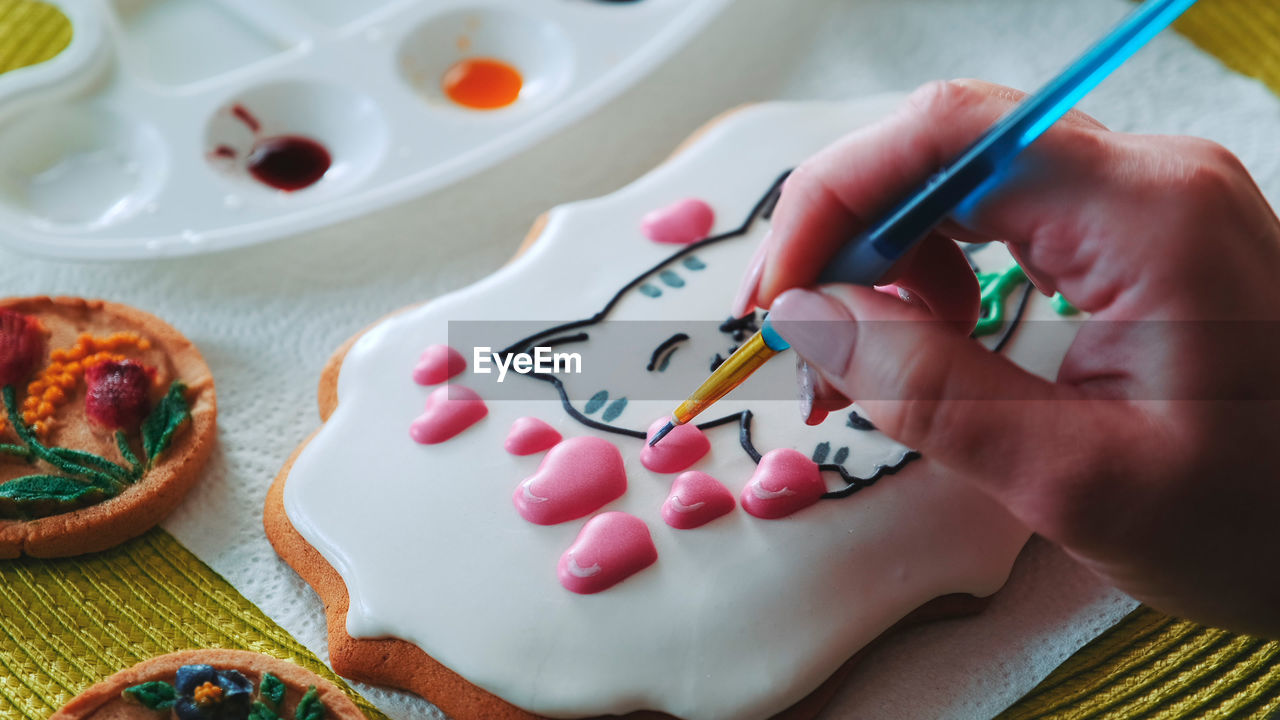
(108, 417)
(537, 559)
(212, 685)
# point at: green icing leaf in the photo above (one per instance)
(310, 707)
(95, 466)
(154, 695)
(271, 690)
(126, 452)
(159, 427)
(35, 496)
(260, 711)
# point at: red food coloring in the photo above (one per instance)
(119, 393)
(243, 115)
(21, 346)
(288, 162)
(225, 151)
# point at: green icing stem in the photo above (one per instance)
(15, 450)
(1063, 306)
(995, 290)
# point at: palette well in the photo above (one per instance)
(173, 127)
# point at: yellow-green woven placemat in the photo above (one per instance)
(1243, 34)
(1150, 665)
(65, 624)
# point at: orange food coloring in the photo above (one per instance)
(482, 83)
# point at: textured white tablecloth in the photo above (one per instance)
(268, 317)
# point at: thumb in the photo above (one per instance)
(925, 383)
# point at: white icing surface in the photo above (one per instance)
(432, 551)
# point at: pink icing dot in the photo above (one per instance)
(437, 364)
(612, 547)
(683, 222)
(681, 448)
(696, 499)
(784, 481)
(530, 435)
(449, 410)
(576, 477)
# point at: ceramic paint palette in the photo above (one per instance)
(172, 127)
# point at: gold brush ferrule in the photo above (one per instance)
(731, 373)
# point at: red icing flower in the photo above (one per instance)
(21, 346)
(119, 393)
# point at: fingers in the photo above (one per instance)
(926, 383)
(1082, 200)
(937, 277)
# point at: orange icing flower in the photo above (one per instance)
(55, 384)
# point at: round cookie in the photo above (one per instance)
(115, 418)
(223, 684)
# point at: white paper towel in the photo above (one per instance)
(268, 317)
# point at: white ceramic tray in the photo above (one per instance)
(112, 149)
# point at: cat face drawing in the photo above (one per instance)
(631, 361)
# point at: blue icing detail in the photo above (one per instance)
(820, 453)
(651, 291)
(615, 409)
(841, 455)
(596, 402)
(693, 263)
(662, 366)
(671, 278)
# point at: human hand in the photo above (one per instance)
(1154, 458)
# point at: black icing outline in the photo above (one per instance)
(762, 210)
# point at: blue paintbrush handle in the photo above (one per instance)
(869, 256)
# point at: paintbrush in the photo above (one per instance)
(956, 189)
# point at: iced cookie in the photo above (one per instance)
(108, 418)
(212, 685)
(512, 548)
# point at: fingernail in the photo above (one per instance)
(1046, 287)
(745, 301)
(818, 328)
(910, 298)
(806, 378)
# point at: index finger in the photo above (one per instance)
(830, 197)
